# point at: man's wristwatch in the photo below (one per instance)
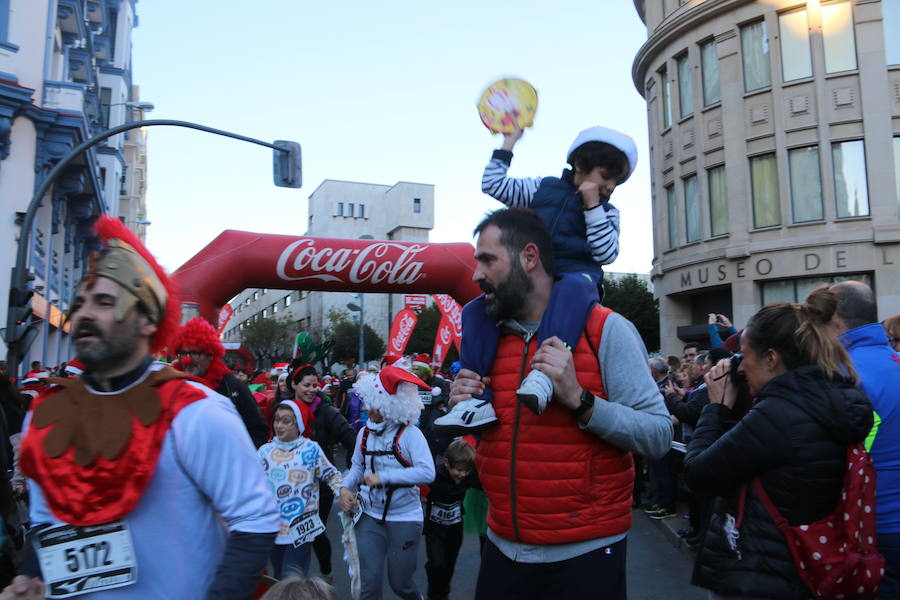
(587, 403)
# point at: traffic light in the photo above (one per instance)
(287, 168)
(21, 314)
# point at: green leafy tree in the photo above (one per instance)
(345, 334)
(269, 339)
(631, 297)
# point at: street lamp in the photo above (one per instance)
(362, 319)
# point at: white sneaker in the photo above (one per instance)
(468, 416)
(535, 391)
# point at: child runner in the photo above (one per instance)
(444, 516)
(390, 460)
(584, 228)
(294, 466)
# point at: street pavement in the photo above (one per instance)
(656, 569)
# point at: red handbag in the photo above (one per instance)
(836, 557)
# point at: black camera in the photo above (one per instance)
(736, 377)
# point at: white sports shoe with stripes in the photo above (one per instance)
(467, 416)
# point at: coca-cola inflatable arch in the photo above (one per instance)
(237, 260)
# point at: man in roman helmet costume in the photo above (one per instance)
(133, 492)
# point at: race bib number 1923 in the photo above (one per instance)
(78, 560)
(306, 528)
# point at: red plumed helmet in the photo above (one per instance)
(127, 261)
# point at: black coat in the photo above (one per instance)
(330, 428)
(237, 391)
(795, 439)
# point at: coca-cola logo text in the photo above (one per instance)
(451, 309)
(302, 260)
(404, 330)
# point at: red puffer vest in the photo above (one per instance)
(547, 481)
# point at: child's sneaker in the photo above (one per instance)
(535, 391)
(467, 416)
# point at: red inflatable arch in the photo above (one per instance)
(237, 260)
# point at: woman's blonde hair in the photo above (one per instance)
(800, 333)
(299, 588)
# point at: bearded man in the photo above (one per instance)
(133, 492)
(559, 483)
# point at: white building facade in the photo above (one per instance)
(65, 75)
(346, 210)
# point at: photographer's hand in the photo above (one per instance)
(721, 388)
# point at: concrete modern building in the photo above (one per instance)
(348, 210)
(775, 150)
(65, 75)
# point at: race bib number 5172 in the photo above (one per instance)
(78, 560)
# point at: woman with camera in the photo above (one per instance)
(807, 411)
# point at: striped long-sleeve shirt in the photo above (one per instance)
(601, 222)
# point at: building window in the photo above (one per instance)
(806, 184)
(349, 209)
(287, 301)
(362, 211)
(672, 211)
(755, 56)
(897, 166)
(691, 209)
(304, 294)
(256, 295)
(417, 205)
(890, 14)
(685, 86)
(105, 101)
(666, 106)
(265, 313)
(274, 308)
(837, 34)
(796, 290)
(718, 201)
(709, 64)
(796, 62)
(764, 191)
(339, 211)
(851, 192)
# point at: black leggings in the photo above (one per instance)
(321, 545)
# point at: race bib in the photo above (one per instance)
(425, 397)
(357, 510)
(305, 528)
(446, 514)
(78, 560)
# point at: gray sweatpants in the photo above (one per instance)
(398, 541)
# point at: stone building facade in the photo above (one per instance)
(775, 149)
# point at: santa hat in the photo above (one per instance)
(616, 139)
(393, 393)
(298, 415)
(198, 334)
(421, 360)
(74, 368)
(35, 376)
(125, 260)
(33, 388)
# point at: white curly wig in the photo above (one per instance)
(404, 407)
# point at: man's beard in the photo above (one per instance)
(109, 348)
(509, 294)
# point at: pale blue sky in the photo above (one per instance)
(376, 92)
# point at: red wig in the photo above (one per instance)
(198, 334)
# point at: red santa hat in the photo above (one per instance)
(393, 393)
(74, 368)
(421, 360)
